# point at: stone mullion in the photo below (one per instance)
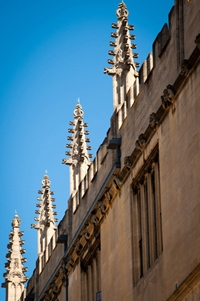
(144, 226)
(89, 283)
(99, 269)
(83, 286)
(147, 229)
(92, 280)
(137, 236)
(94, 265)
(151, 219)
(158, 210)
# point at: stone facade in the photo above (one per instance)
(131, 230)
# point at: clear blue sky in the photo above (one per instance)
(51, 53)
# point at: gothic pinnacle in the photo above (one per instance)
(122, 53)
(78, 148)
(14, 266)
(45, 212)
(46, 222)
(123, 64)
(79, 158)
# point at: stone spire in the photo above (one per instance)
(79, 159)
(123, 69)
(14, 277)
(45, 221)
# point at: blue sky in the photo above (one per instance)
(51, 53)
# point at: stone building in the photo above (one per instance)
(131, 229)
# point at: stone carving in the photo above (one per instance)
(140, 143)
(16, 222)
(185, 67)
(119, 57)
(122, 12)
(117, 183)
(114, 35)
(103, 206)
(167, 98)
(153, 120)
(16, 263)
(94, 219)
(78, 248)
(127, 163)
(108, 196)
(78, 112)
(54, 287)
(99, 214)
(88, 231)
(70, 264)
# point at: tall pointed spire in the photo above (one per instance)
(45, 221)
(79, 159)
(14, 277)
(123, 68)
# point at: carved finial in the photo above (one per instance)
(46, 171)
(78, 100)
(16, 221)
(122, 11)
(78, 112)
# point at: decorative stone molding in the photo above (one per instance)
(127, 162)
(70, 264)
(153, 120)
(140, 143)
(74, 256)
(88, 231)
(108, 196)
(78, 248)
(94, 219)
(117, 183)
(167, 98)
(185, 68)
